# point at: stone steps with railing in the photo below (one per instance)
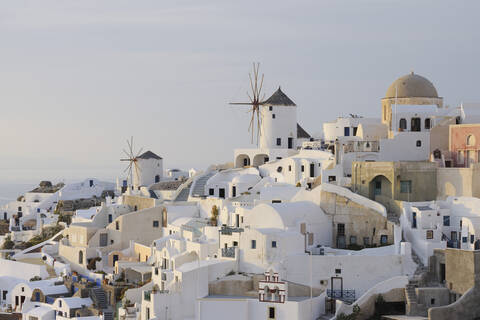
(199, 184)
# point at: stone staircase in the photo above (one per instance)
(199, 184)
(100, 299)
(183, 194)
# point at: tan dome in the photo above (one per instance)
(412, 85)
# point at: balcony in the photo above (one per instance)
(347, 295)
(226, 230)
(228, 252)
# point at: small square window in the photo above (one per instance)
(446, 221)
(155, 223)
(406, 186)
(270, 108)
(274, 244)
(419, 143)
(338, 271)
(353, 240)
(429, 234)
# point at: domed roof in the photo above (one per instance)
(411, 85)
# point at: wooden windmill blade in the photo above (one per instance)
(255, 102)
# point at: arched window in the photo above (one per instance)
(403, 124)
(80, 257)
(470, 140)
(428, 123)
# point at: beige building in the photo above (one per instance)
(389, 183)
(411, 89)
(357, 222)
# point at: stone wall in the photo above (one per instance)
(360, 220)
(139, 203)
(467, 307)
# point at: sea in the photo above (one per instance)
(11, 191)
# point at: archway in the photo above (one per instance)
(242, 160)
(380, 190)
(260, 159)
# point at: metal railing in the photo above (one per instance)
(347, 295)
(228, 252)
(226, 230)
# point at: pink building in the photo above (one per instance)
(464, 144)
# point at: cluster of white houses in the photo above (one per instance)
(297, 228)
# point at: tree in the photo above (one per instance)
(214, 216)
(8, 244)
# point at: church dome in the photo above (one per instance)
(410, 86)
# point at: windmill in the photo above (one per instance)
(255, 101)
(132, 158)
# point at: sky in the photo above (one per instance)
(78, 78)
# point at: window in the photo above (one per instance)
(464, 239)
(353, 240)
(271, 312)
(338, 271)
(419, 143)
(289, 168)
(446, 221)
(274, 244)
(279, 169)
(60, 303)
(279, 141)
(383, 239)
(470, 140)
(332, 178)
(211, 192)
(428, 123)
(117, 225)
(235, 243)
(270, 108)
(406, 186)
(340, 229)
(346, 131)
(415, 124)
(155, 223)
(403, 124)
(366, 241)
(303, 168)
(432, 301)
(429, 234)
(254, 244)
(23, 288)
(273, 115)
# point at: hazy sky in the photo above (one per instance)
(77, 78)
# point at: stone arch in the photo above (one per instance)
(380, 187)
(260, 159)
(242, 160)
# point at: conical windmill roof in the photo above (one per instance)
(279, 99)
(149, 155)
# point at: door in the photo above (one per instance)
(414, 220)
(312, 170)
(115, 259)
(37, 296)
(221, 193)
(234, 191)
(237, 220)
(110, 218)
(383, 239)
(290, 143)
(103, 239)
(346, 131)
